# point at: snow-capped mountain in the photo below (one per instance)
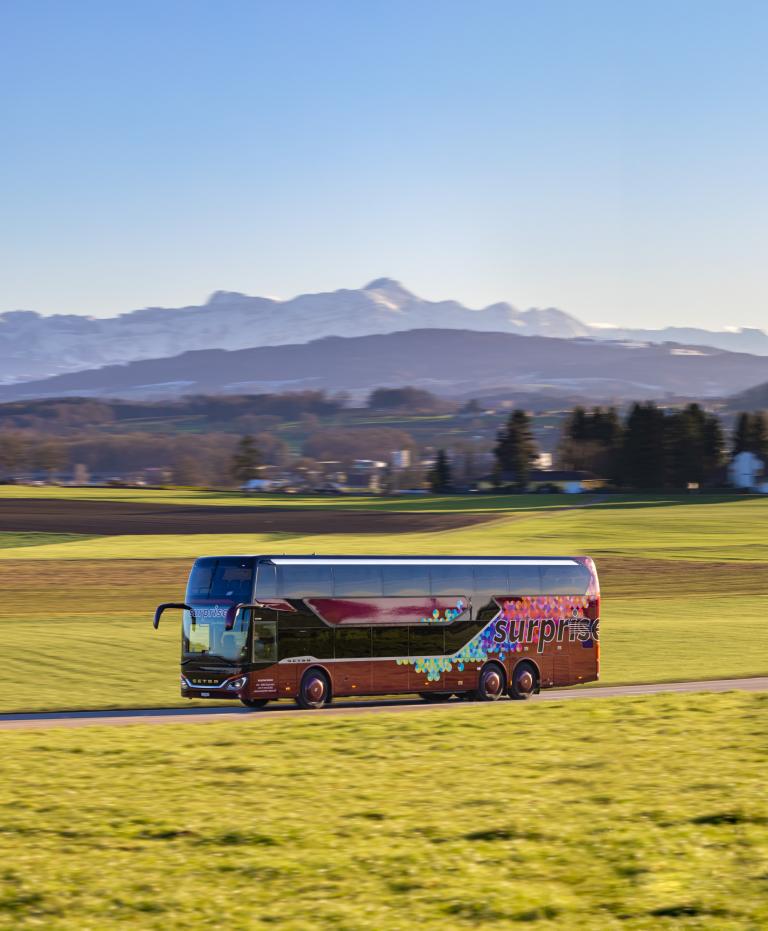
(34, 346)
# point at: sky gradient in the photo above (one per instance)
(606, 158)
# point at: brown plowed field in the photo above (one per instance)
(119, 517)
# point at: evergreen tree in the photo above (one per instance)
(605, 427)
(751, 434)
(246, 460)
(643, 454)
(741, 433)
(675, 449)
(591, 441)
(440, 474)
(713, 447)
(758, 435)
(516, 449)
(685, 446)
(579, 425)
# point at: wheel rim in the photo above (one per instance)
(524, 681)
(315, 689)
(492, 683)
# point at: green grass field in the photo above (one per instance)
(191, 496)
(685, 594)
(621, 813)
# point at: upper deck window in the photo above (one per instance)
(447, 579)
(303, 577)
(565, 580)
(492, 579)
(405, 580)
(362, 581)
(525, 580)
(306, 581)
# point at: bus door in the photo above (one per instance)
(264, 623)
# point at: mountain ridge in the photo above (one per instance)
(449, 362)
(33, 346)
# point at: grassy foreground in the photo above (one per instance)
(628, 813)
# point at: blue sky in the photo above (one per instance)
(606, 158)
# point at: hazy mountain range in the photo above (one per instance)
(449, 362)
(33, 346)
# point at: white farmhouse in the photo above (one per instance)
(747, 471)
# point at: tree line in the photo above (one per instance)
(650, 448)
(645, 447)
(231, 413)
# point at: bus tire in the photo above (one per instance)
(525, 681)
(314, 690)
(254, 702)
(434, 698)
(492, 683)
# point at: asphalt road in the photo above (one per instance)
(278, 712)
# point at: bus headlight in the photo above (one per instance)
(238, 683)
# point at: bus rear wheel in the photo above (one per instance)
(525, 682)
(434, 698)
(314, 691)
(492, 684)
(254, 702)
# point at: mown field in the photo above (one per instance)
(685, 592)
(621, 813)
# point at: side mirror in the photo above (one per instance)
(172, 604)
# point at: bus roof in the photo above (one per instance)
(362, 559)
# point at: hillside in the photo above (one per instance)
(33, 346)
(753, 399)
(447, 362)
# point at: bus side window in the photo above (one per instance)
(565, 580)
(316, 642)
(352, 642)
(311, 581)
(405, 580)
(525, 580)
(390, 641)
(452, 580)
(458, 634)
(492, 579)
(360, 581)
(426, 640)
(266, 580)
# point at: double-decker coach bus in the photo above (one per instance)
(309, 628)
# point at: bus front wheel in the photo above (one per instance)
(254, 702)
(492, 684)
(525, 681)
(314, 691)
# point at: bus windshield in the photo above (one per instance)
(208, 636)
(215, 585)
